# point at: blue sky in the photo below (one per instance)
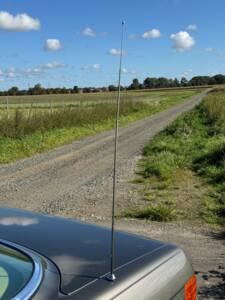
(66, 43)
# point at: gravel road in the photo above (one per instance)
(76, 181)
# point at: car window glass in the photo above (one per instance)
(16, 269)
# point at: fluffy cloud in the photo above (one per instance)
(9, 73)
(92, 67)
(52, 45)
(20, 22)
(88, 32)
(187, 73)
(40, 70)
(192, 27)
(127, 72)
(151, 34)
(36, 71)
(115, 52)
(52, 65)
(96, 66)
(183, 41)
(30, 72)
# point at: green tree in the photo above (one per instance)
(135, 85)
(75, 89)
(13, 91)
(176, 82)
(184, 81)
(38, 89)
(150, 82)
(112, 88)
(219, 78)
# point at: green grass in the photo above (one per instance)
(157, 212)
(24, 134)
(191, 151)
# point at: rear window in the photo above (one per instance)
(16, 270)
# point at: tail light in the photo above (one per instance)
(191, 289)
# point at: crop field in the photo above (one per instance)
(88, 99)
(33, 124)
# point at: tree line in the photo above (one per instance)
(148, 83)
(163, 82)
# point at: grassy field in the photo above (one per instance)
(86, 99)
(182, 173)
(25, 132)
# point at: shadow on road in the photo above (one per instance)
(215, 290)
(217, 236)
(214, 280)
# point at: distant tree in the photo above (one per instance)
(75, 89)
(184, 81)
(135, 85)
(176, 82)
(86, 90)
(150, 82)
(212, 81)
(199, 80)
(64, 90)
(37, 89)
(13, 91)
(219, 79)
(162, 82)
(112, 88)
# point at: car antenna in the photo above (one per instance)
(112, 276)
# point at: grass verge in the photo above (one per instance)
(183, 168)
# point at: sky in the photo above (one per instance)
(67, 43)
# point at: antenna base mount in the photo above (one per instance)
(111, 277)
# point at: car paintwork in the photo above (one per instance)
(76, 259)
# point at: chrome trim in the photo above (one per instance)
(31, 287)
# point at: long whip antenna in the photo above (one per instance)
(112, 276)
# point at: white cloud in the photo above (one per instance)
(39, 70)
(192, 27)
(187, 73)
(151, 34)
(52, 45)
(96, 66)
(115, 52)
(10, 72)
(20, 22)
(52, 65)
(89, 32)
(32, 72)
(209, 49)
(92, 67)
(128, 72)
(183, 41)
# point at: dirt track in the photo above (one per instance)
(75, 181)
